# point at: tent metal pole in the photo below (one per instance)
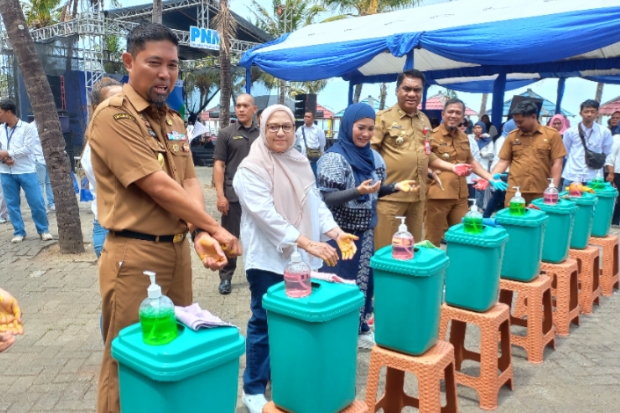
(499, 88)
(425, 94)
(350, 97)
(248, 81)
(558, 102)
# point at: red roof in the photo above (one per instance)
(437, 102)
(327, 114)
(610, 107)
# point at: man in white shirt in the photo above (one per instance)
(310, 140)
(42, 175)
(18, 171)
(597, 139)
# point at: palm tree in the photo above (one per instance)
(356, 8)
(227, 28)
(483, 104)
(284, 17)
(41, 13)
(52, 140)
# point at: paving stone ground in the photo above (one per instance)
(54, 366)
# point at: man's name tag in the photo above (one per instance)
(235, 138)
(176, 136)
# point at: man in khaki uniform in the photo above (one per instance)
(399, 139)
(148, 195)
(534, 153)
(448, 205)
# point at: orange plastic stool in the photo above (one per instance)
(356, 407)
(539, 312)
(565, 290)
(430, 368)
(609, 275)
(494, 327)
(589, 273)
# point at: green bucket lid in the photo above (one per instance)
(490, 237)
(191, 353)
(563, 207)
(586, 199)
(327, 301)
(532, 218)
(425, 262)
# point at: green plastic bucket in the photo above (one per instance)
(523, 250)
(556, 240)
(313, 347)
(604, 210)
(408, 299)
(583, 219)
(197, 372)
(472, 280)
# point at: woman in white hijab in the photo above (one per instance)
(281, 206)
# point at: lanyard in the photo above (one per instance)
(9, 136)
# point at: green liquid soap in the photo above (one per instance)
(517, 208)
(472, 225)
(158, 327)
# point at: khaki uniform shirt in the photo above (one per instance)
(131, 139)
(399, 140)
(531, 157)
(454, 148)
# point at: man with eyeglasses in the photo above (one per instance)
(232, 146)
(402, 137)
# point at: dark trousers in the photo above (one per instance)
(257, 370)
(616, 218)
(231, 223)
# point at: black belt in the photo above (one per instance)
(148, 237)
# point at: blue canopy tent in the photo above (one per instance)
(548, 108)
(501, 38)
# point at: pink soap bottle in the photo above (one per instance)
(402, 242)
(297, 277)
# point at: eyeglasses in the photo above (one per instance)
(463, 124)
(274, 128)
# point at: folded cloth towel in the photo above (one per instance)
(426, 244)
(195, 318)
(332, 278)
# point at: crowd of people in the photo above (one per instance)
(278, 188)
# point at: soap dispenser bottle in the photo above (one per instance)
(472, 223)
(598, 182)
(517, 203)
(159, 324)
(297, 282)
(550, 196)
(574, 189)
(402, 242)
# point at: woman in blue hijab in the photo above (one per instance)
(349, 176)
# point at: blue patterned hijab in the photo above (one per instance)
(362, 160)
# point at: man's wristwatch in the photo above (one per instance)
(196, 232)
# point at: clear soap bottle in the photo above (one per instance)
(159, 324)
(550, 196)
(517, 204)
(402, 242)
(472, 223)
(297, 281)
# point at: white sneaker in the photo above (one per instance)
(46, 236)
(17, 238)
(366, 340)
(254, 402)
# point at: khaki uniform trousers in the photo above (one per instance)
(440, 215)
(387, 224)
(528, 197)
(123, 288)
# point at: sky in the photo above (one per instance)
(334, 96)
